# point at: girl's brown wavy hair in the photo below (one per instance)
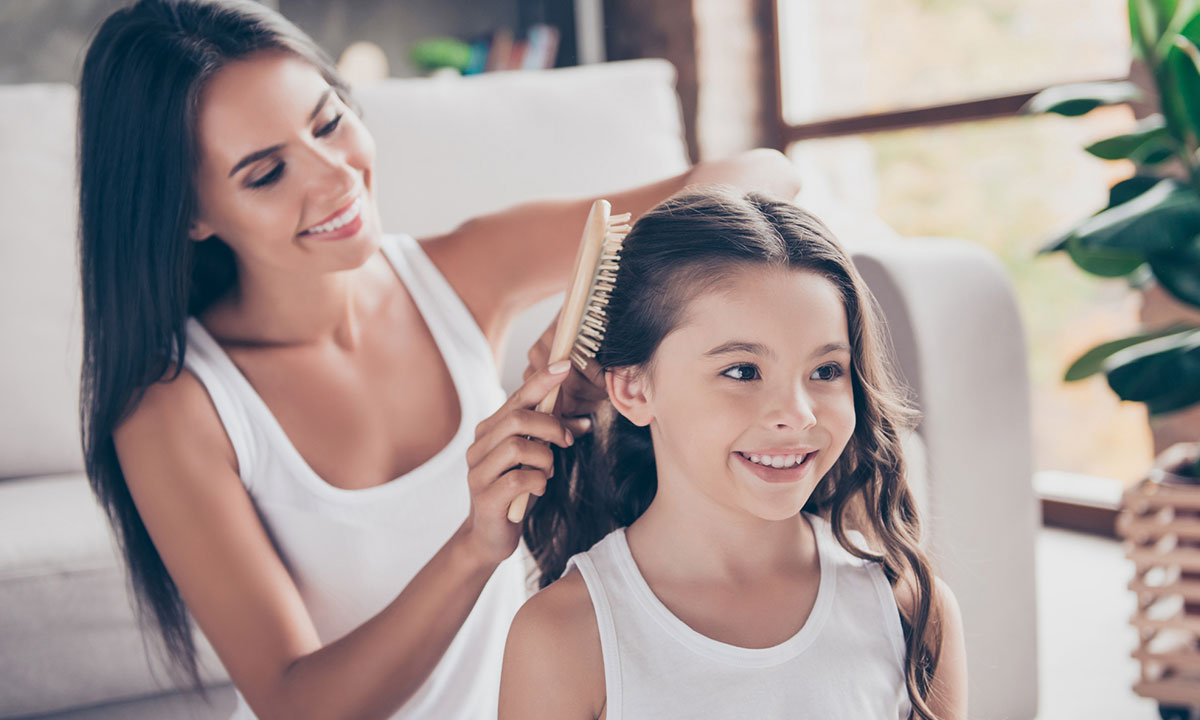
(673, 251)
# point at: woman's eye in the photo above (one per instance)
(742, 373)
(269, 178)
(329, 126)
(832, 371)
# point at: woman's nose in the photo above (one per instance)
(333, 175)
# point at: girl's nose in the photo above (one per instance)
(794, 411)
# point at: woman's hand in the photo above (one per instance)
(510, 457)
(763, 170)
(582, 392)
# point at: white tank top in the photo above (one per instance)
(847, 661)
(351, 552)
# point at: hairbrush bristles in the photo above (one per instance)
(595, 320)
(583, 321)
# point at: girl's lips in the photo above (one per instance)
(779, 475)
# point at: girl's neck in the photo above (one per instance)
(685, 536)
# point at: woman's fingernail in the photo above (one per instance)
(570, 437)
(559, 367)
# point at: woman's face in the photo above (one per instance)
(750, 398)
(284, 174)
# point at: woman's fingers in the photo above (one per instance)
(515, 452)
(578, 425)
(511, 485)
(521, 423)
(527, 396)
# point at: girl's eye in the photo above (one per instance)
(829, 372)
(742, 373)
(329, 126)
(269, 178)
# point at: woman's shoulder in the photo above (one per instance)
(554, 652)
(174, 417)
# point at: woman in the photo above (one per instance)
(278, 398)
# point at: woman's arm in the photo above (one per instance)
(553, 664)
(502, 263)
(182, 473)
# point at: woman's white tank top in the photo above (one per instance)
(351, 552)
(847, 661)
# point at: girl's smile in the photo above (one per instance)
(779, 467)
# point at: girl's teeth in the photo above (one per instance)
(779, 461)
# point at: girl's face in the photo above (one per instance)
(756, 374)
(284, 171)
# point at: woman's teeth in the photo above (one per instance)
(348, 216)
(777, 461)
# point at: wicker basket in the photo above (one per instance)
(1160, 520)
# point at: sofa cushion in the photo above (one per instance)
(451, 148)
(40, 327)
(67, 628)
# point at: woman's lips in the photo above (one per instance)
(352, 210)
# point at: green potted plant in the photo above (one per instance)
(1149, 232)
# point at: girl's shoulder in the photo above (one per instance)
(553, 661)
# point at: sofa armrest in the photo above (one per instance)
(959, 344)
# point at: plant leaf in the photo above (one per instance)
(1143, 29)
(1183, 62)
(1081, 98)
(1178, 271)
(1103, 261)
(1155, 371)
(1092, 361)
(1166, 217)
(1130, 188)
(1150, 137)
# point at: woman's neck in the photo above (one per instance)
(286, 308)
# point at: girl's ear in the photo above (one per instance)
(627, 392)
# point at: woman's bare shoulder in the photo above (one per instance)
(174, 420)
(553, 663)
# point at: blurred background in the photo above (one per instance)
(906, 118)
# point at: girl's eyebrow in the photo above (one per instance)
(738, 346)
(260, 154)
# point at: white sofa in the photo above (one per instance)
(449, 149)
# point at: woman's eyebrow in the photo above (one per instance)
(260, 154)
(255, 157)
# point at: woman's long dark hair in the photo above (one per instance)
(674, 249)
(141, 274)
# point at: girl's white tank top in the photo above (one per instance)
(847, 661)
(351, 552)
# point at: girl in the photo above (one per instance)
(278, 398)
(754, 424)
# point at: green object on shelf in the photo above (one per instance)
(442, 52)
